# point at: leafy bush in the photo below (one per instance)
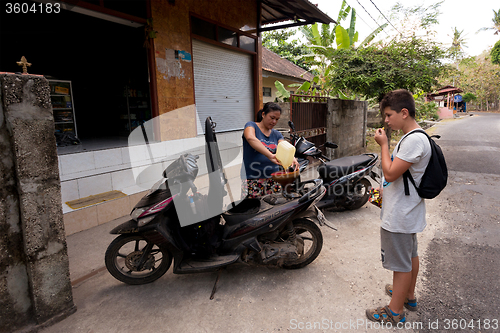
(426, 110)
(469, 97)
(495, 53)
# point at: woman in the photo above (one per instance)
(260, 141)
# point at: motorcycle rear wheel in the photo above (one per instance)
(122, 258)
(310, 233)
(361, 194)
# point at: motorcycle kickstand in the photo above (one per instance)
(215, 284)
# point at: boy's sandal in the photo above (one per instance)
(410, 304)
(384, 315)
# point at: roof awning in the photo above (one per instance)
(302, 12)
(445, 91)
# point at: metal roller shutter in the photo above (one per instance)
(223, 85)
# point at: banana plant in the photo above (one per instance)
(303, 88)
(325, 42)
(282, 93)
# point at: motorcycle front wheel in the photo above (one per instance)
(360, 195)
(134, 260)
(311, 239)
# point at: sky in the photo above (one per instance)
(465, 15)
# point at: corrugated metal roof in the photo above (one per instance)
(272, 62)
(445, 90)
(274, 11)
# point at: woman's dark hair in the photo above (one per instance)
(397, 100)
(268, 107)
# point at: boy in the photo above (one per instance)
(402, 216)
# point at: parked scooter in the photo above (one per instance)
(346, 178)
(194, 231)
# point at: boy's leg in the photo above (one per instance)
(400, 255)
(401, 283)
(415, 265)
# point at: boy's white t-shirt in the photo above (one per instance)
(406, 213)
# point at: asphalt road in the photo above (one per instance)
(458, 285)
(461, 285)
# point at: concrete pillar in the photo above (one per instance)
(35, 289)
(285, 116)
(333, 124)
(346, 126)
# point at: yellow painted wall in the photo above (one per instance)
(268, 81)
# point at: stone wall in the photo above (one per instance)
(282, 124)
(35, 288)
(346, 126)
(374, 119)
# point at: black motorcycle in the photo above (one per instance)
(194, 231)
(345, 178)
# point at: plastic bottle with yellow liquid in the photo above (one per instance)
(285, 153)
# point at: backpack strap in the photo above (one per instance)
(407, 175)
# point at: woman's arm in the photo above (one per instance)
(249, 134)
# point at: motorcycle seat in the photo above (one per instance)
(245, 210)
(343, 166)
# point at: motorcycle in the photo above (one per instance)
(199, 236)
(345, 178)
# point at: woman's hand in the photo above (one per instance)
(273, 159)
(295, 164)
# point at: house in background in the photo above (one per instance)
(276, 68)
(447, 101)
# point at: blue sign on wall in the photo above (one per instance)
(458, 98)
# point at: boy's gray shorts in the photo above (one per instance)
(397, 250)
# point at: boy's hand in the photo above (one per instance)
(380, 137)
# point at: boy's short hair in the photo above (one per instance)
(397, 100)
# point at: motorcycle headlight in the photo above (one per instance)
(142, 222)
(137, 212)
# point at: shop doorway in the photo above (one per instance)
(105, 62)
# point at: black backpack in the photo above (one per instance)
(435, 176)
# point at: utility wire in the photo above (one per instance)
(385, 17)
(364, 22)
(357, 15)
(370, 16)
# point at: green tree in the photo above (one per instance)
(479, 76)
(495, 23)
(282, 42)
(415, 20)
(495, 53)
(323, 40)
(468, 97)
(411, 63)
(458, 43)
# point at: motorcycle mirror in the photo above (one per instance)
(331, 145)
(290, 124)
